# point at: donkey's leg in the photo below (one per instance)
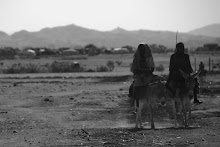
(181, 112)
(137, 117)
(174, 103)
(174, 111)
(141, 105)
(137, 114)
(189, 112)
(152, 116)
(185, 114)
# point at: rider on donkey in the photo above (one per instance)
(142, 68)
(180, 61)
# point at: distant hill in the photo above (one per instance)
(72, 35)
(210, 30)
(3, 35)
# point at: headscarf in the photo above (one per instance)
(142, 54)
(179, 48)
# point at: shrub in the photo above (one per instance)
(118, 62)
(25, 68)
(90, 70)
(74, 58)
(160, 68)
(8, 52)
(110, 65)
(61, 67)
(102, 68)
(56, 67)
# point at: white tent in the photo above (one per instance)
(120, 51)
(70, 52)
(30, 52)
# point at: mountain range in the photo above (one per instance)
(73, 35)
(210, 30)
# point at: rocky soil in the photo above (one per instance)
(95, 111)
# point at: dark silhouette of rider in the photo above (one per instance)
(180, 61)
(142, 67)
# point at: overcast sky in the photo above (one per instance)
(104, 15)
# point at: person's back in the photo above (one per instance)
(180, 61)
(142, 67)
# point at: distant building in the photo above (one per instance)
(30, 52)
(211, 47)
(70, 52)
(120, 51)
(208, 47)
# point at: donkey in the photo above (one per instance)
(149, 95)
(182, 101)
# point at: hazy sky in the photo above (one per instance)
(104, 15)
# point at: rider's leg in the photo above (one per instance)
(196, 91)
(131, 89)
(177, 93)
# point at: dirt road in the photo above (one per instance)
(95, 111)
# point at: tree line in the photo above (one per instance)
(90, 49)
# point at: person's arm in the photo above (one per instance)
(172, 65)
(134, 65)
(151, 64)
(188, 63)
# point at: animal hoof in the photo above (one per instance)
(198, 102)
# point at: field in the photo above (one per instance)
(92, 109)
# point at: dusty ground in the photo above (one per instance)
(94, 111)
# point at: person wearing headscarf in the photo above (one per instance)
(180, 61)
(142, 67)
(143, 62)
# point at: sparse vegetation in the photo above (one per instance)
(25, 68)
(118, 62)
(89, 50)
(102, 68)
(56, 67)
(60, 67)
(158, 48)
(160, 68)
(8, 52)
(108, 67)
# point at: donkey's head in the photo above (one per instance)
(189, 82)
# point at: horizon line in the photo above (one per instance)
(10, 33)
